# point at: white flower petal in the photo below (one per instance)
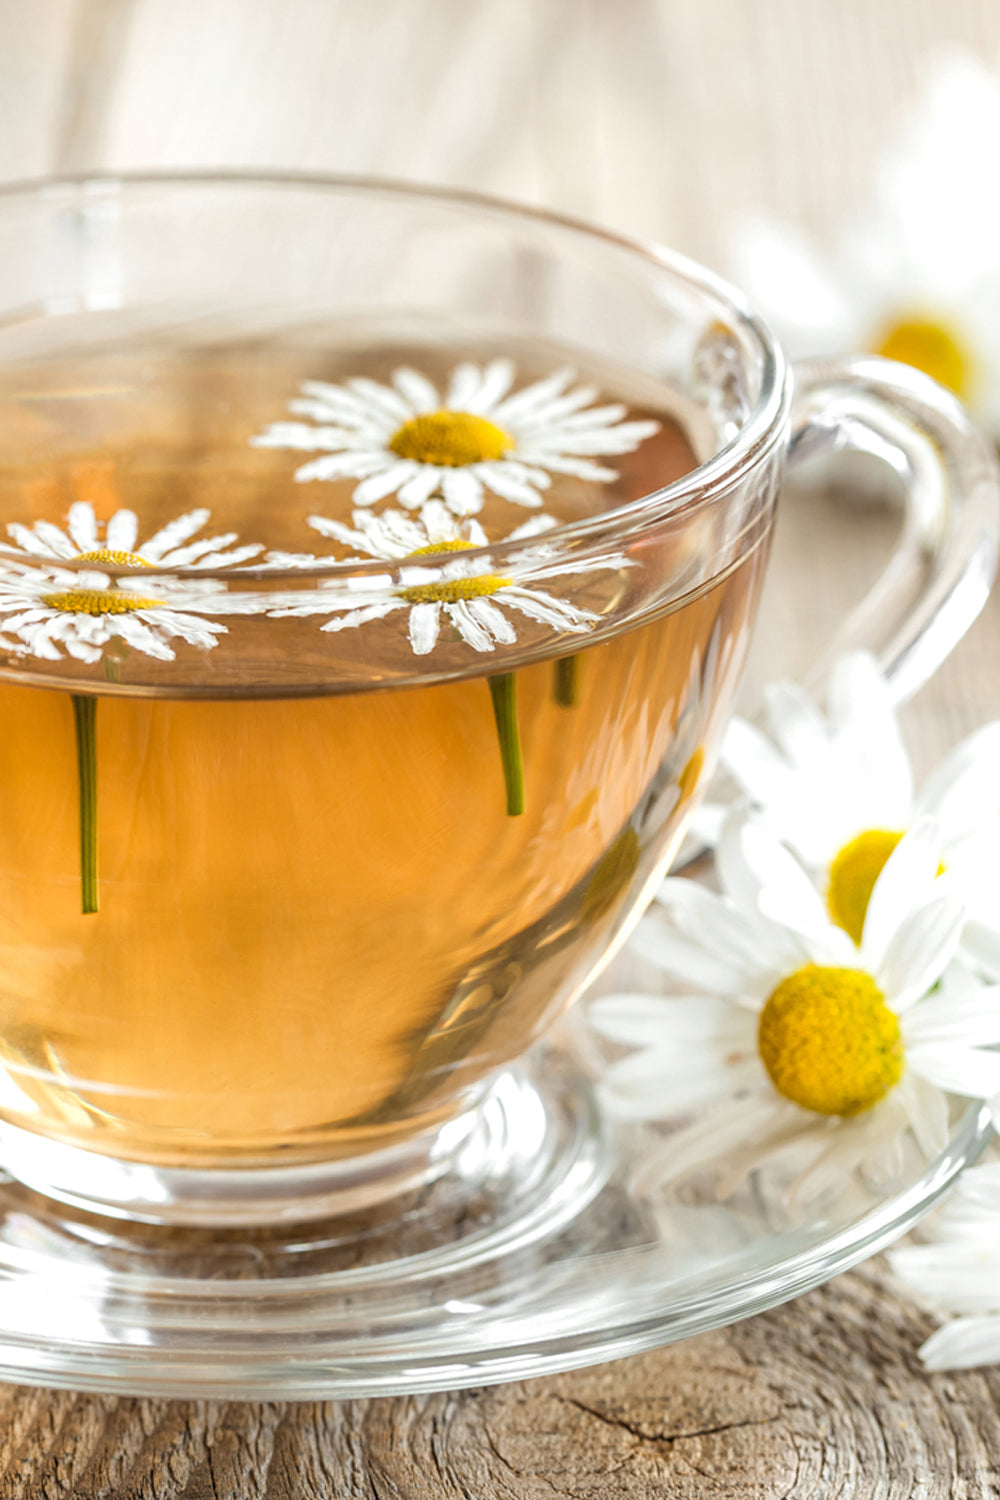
(531, 397)
(502, 483)
(981, 946)
(641, 1020)
(424, 626)
(493, 621)
(548, 412)
(82, 526)
(629, 1092)
(919, 951)
(498, 377)
(904, 882)
(340, 466)
(686, 959)
(417, 490)
(756, 870)
(752, 760)
(961, 1010)
(464, 387)
(796, 722)
(578, 468)
(462, 491)
(380, 398)
(549, 611)
(468, 626)
(963, 1344)
(969, 1071)
(122, 531)
(377, 486)
(965, 791)
(362, 616)
(745, 1131)
(416, 389)
(58, 545)
(173, 534)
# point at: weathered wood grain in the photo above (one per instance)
(823, 1398)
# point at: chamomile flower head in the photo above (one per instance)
(116, 543)
(959, 1272)
(463, 591)
(791, 1036)
(409, 440)
(47, 611)
(839, 791)
(917, 277)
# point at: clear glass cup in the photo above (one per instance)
(279, 905)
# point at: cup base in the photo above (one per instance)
(513, 1143)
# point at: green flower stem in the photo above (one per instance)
(85, 718)
(566, 685)
(504, 692)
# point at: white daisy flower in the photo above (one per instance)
(175, 545)
(917, 277)
(959, 1272)
(405, 439)
(839, 791)
(797, 1038)
(462, 591)
(44, 610)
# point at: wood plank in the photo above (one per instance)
(823, 1397)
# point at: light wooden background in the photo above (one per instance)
(664, 117)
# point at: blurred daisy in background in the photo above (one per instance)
(916, 277)
(839, 791)
(959, 1272)
(793, 1037)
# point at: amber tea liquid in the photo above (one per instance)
(318, 923)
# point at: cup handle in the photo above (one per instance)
(939, 577)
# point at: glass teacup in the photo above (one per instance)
(377, 571)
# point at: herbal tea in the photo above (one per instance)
(286, 868)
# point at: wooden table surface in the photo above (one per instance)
(823, 1398)
(666, 117)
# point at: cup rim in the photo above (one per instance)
(758, 434)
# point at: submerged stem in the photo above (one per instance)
(504, 693)
(566, 683)
(85, 719)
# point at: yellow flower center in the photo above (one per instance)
(121, 559)
(691, 775)
(853, 874)
(452, 546)
(451, 439)
(829, 1042)
(930, 346)
(451, 590)
(98, 602)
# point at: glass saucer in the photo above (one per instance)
(533, 1255)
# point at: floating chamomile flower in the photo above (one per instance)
(959, 1271)
(45, 611)
(51, 610)
(798, 1039)
(175, 545)
(917, 277)
(839, 791)
(407, 440)
(462, 591)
